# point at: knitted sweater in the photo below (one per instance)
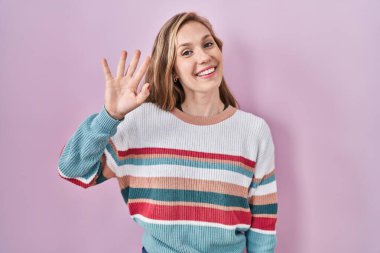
(195, 184)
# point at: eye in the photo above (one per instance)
(209, 43)
(185, 53)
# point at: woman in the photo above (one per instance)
(196, 172)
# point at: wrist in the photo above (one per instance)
(113, 115)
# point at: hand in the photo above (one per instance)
(121, 91)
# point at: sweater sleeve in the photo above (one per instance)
(83, 159)
(262, 197)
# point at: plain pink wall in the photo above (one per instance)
(310, 68)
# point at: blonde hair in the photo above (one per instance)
(163, 91)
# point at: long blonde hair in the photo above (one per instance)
(163, 91)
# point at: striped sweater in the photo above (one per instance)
(195, 184)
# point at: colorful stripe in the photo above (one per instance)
(189, 213)
(179, 157)
(188, 195)
(176, 171)
(182, 183)
(264, 223)
(123, 154)
(182, 203)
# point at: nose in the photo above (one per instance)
(203, 56)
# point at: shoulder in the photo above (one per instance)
(256, 128)
(253, 122)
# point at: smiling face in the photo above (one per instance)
(199, 61)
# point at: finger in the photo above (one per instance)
(143, 68)
(106, 70)
(132, 66)
(121, 66)
(126, 71)
(144, 94)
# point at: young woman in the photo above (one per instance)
(196, 172)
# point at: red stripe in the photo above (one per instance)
(193, 213)
(264, 223)
(181, 152)
(77, 182)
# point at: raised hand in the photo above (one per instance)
(121, 91)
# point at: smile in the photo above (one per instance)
(207, 73)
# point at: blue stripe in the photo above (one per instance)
(125, 194)
(263, 182)
(263, 209)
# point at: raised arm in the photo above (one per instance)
(82, 160)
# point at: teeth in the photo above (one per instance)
(206, 72)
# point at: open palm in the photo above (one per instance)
(121, 91)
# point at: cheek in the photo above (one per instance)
(220, 56)
(185, 69)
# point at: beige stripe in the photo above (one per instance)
(263, 200)
(183, 184)
(182, 203)
(265, 215)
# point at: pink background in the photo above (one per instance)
(310, 68)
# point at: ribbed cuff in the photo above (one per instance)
(106, 122)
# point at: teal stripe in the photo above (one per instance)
(125, 193)
(101, 178)
(188, 196)
(263, 209)
(180, 162)
(263, 182)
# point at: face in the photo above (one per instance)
(199, 61)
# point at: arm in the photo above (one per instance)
(262, 197)
(83, 160)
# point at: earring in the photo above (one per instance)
(175, 79)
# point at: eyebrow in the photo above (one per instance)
(188, 44)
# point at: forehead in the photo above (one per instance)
(191, 32)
